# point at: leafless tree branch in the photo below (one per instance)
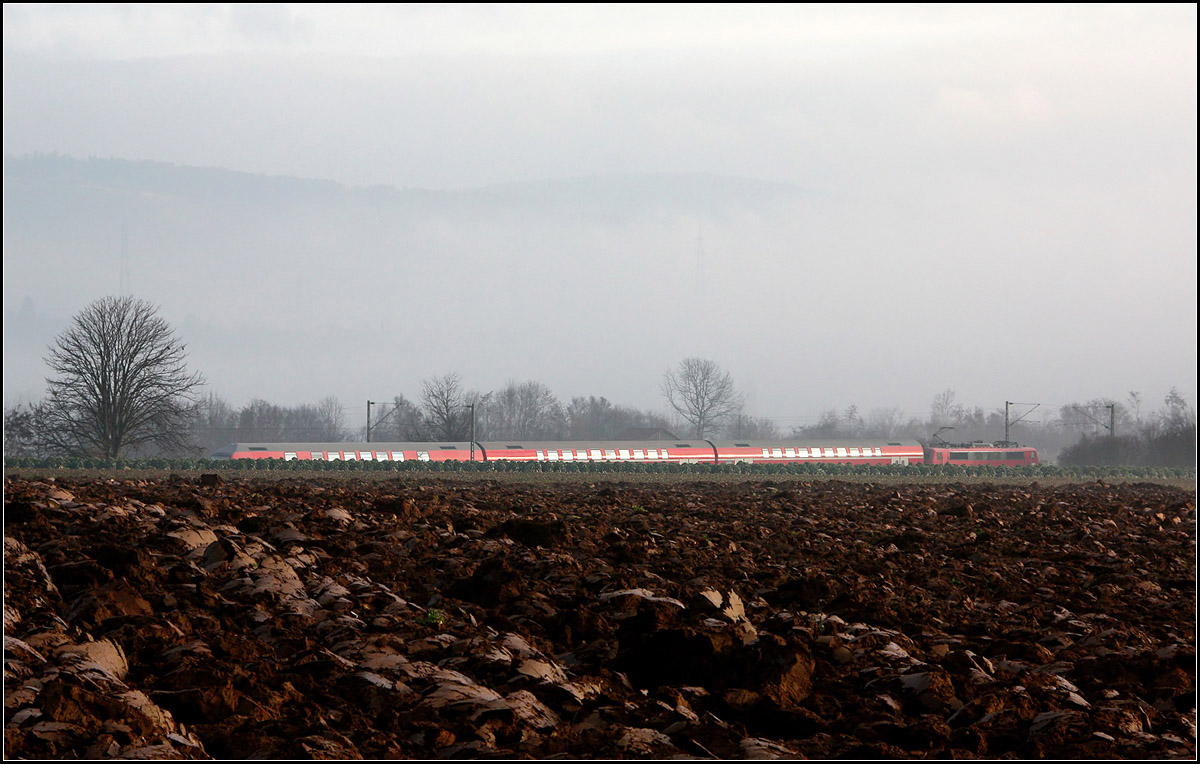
(121, 383)
(702, 393)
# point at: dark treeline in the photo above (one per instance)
(518, 411)
(1099, 432)
(1166, 438)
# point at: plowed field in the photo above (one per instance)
(426, 618)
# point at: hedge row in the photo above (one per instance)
(835, 470)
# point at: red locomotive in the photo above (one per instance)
(1002, 454)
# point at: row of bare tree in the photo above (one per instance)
(1165, 438)
(1100, 431)
(121, 387)
(518, 411)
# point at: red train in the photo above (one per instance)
(695, 451)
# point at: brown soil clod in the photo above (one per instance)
(440, 618)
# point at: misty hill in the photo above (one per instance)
(249, 262)
(51, 184)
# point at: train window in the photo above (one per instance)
(367, 456)
(422, 456)
(777, 453)
(552, 455)
(841, 451)
(651, 453)
(397, 456)
(1015, 455)
(622, 453)
(878, 451)
(789, 453)
(639, 453)
(568, 455)
(958, 455)
(350, 456)
(802, 453)
(541, 455)
(830, 452)
(289, 455)
(854, 451)
(317, 455)
(335, 456)
(665, 455)
(610, 454)
(766, 453)
(594, 453)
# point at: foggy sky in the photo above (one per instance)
(1005, 196)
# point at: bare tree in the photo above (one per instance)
(945, 411)
(595, 418)
(331, 416)
(752, 428)
(21, 429)
(214, 422)
(702, 393)
(399, 421)
(882, 422)
(443, 402)
(829, 425)
(854, 421)
(590, 418)
(524, 411)
(121, 384)
(1135, 400)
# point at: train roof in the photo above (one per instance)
(229, 450)
(434, 445)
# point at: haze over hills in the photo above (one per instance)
(292, 288)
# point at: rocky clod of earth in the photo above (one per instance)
(422, 618)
